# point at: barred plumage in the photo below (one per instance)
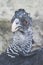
(22, 39)
(21, 44)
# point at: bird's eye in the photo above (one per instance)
(25, 23)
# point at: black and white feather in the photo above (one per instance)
(22, 34)
(18, 52)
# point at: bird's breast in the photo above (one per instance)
(22, 40)
(21, 44)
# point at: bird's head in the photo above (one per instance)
(21, 21)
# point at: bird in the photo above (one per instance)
(22, 34)
(19, 51)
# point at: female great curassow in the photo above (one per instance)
(19, 52)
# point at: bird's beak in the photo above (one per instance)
(15, 25)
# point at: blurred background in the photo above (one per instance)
(7, 10)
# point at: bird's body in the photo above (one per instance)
(21, 45)
(19, 51)
(35, 59)
(22, 36)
